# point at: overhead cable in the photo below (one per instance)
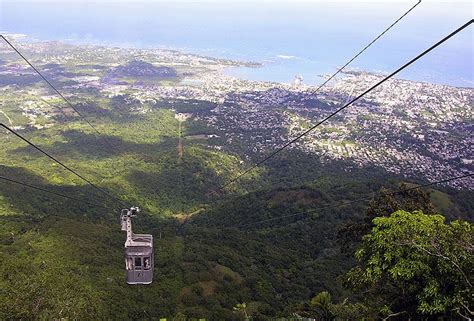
(50, 84)
(6, 179)
(292, 141)
(366, 47)
(64, 166)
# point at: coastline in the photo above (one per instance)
(227, 67)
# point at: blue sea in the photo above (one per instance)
(291, 38)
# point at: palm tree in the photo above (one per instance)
(321, 304)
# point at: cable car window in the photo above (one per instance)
(138, 262)
(146, 263)
(129, 262)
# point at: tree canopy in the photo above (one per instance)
(416, 264)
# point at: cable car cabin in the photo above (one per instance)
(138, 251)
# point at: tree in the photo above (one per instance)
(384, 204)
(416, 264)
(322, 305)
(322, 308)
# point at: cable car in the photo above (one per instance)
(138, 251)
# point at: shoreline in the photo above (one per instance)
(228, 68)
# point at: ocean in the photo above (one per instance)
(310, 39)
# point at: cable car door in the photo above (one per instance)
(138, 274)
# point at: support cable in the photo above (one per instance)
(366, 47)
(467, 24)
(50, 84)
(64, 166)
(6, 179)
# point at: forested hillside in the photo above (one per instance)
(63, 258)
(300, 236)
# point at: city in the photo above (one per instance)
(418, 129)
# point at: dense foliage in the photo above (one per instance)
(63, 259)
(416, 264)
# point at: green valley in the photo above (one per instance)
(268, 246)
